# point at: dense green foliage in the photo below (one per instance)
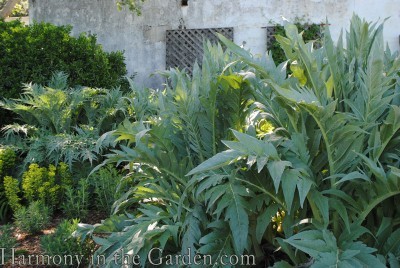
(38, 184)
(76, 201)
(172, 132)
(12, 192)
(311, 32)
(65, 124)
(7, 240)
(4, 206)
(243, 157)
(58, 124)
(7, 166)
(337, 148)
(7, 161)
(45, 184)
(32, 53)
(294, 167)
(107, 186)
(62, 243)
(32, 219)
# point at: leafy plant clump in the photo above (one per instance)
(46, 185)
(34, 218)
(107, 184)
(172, 132)
(7, 167)
(76, 201)
(62, 243)
(7, 161)
(62, 124)
(6, 238)
(12, 192)
(244, 159)
(334, 163)
(32, 53)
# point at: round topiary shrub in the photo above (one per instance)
(32, 53)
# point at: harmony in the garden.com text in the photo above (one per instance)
(122, 258)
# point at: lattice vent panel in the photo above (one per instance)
(185, 46)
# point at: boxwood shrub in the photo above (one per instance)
(32, 53)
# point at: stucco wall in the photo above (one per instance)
(143, 38)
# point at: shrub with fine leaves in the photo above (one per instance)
(62, 243)
(34, 218)
(107, 186)
(7, 240)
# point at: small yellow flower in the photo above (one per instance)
(264, 127)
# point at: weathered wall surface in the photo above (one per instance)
(143, 38)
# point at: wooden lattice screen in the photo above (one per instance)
(186, 45)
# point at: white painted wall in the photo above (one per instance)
(143, 38)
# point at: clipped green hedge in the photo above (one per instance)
(32, 53)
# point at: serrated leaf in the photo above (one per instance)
(234, 81)
(217, 161)
(276, 169)
(377, 171)
(394, 261)
(289, 182)
(392, 244)
(355, 232)
(342, 211)
(322, 204)
(261, 162)
(303, 186)
(254, 146)
(238, 219)
(101, 241)
(353, 175)
(193, 233)
(310, 242)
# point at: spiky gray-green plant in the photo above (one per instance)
(183, 126)
(334, 159)
(311, 166)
